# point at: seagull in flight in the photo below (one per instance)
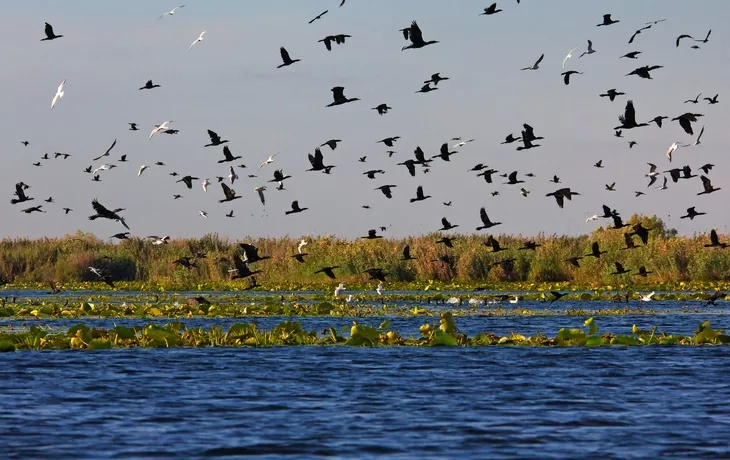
(59, 93)
(536, 65)
(205, 183)
(570, 55)
(672, 148)
(590, 49)
(141, 170)
(199, 39)
(260, 191)
(203, 213)
(268, 161)
(159, 128)
(171, 12)
(107, 151)
(301, 245)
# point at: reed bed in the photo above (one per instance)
(670, 257)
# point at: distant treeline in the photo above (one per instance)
(669, 257)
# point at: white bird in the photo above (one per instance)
(232, 176)
(301, 245)
(203, 213)
(570, 55)
(141, 170)
(475, 302)
(593, 217)
(171, 12)
(156, 240)
(199, 39)
(515, 300)
(339, 289)
(672, 148)
(159, 128)
(590, 49)
(453, 301)
(268, 161)
(461, 144)
(59, 93)
(647, 298)
(260, 191)
(96, 271)
(379, 289)
(205, 184)
(104, 167)
(349, 298)
(697, 142)
(280, 186)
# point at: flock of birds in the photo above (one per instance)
(419, 163)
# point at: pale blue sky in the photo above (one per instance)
(230, 83)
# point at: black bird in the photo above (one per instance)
(121, 236)
(279, 176)
(371, 174)
(149, 85)
(510, 139)
(20, 194)
(389, 140)
(377, 274)
(25, 143)
(382, 109)
(487, 175)
(215, 139)
(419, 195)
(529, 246)
(631, 55)
(446, 225)
(123, 158)
(608, 212)
(528, 133)
(319, 16)
(527, 143)
(716, 296)
(362, 159)
(557, 295)
(512, 179)
(420, 156)
(227, 155)
(416, 36)
(329, 271)
(711, 100)
(607, 21)
(133, 127)
(611, 94)
(295, 208)
(285, 58)
(317, 161)
(561, 194)
(426, 89)
(251, 253)
(706, 168)
(574, 261)
(632, 144)
(618, 223)
(33, 209)
(372, 235)
(491, 9)
(642, 232)
(681, 37)
(620, 270)
(685, 121)
(643, 71)
(444, 152)
(715, 241)
(628, 119)
(186, 262)
(707, 185)
(643, 272)
(478, 167)
(338, 94)
(188, 181)
(446, 241)
(631, 40)
(555, 180)
(629, 241)
(611, 188)
(386, 190)
(104, 213)
(566, 75)
(407, 253)
(658, 120)
(300, 257)
(595, 251)
(52, 36)
(447, 203)
(37, 163)
(436, 78)
(618, 133)
(707, 37)
(494, 244)
(241, 269)
(229, 193)
(339, 39)
(411, 165)
(695, 100)
(332, 143)
(486, 223)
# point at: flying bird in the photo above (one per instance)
(199, 39)
(436, 78)
(590, 49)
(295, 208)
(631, 55)
(706, 39)
(171, 12)
(486, 222)
(159, 128)
(415, 35)
(692, 213)
(628, 119)
(319, 16)
(338, 94)
(149, 85)
(566, 75)
(59, 94)
(338, 39)
(611, 94)
(568, 56)
(382, 109)
(285, 58)
(536, 65)
(229, 193)
(695, 100)
(491, 9)
(268, 161)
(108, 151)
(104, 213)
(607, 21)
(141, 170)
(50, 35)
(643, 71)
(681, 37)
(419, 195)
(685, 121)
(707, 185)
(215, 139)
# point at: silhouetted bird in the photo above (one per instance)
(715, 241)
(286, 60)
(419, 195)
(329, 271)
(611, 94)
(338, 94)
(382, 109)
(149, 85)
(338, 39)
(486, 223)
(372, 235)
(416, 36)
(295, 208)
(628, 119)
(50, 35)
(595, 251)
(607, 21)
(215, 139)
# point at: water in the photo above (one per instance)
(494, 402)
(341, 402)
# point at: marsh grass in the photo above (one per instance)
(671, 258)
